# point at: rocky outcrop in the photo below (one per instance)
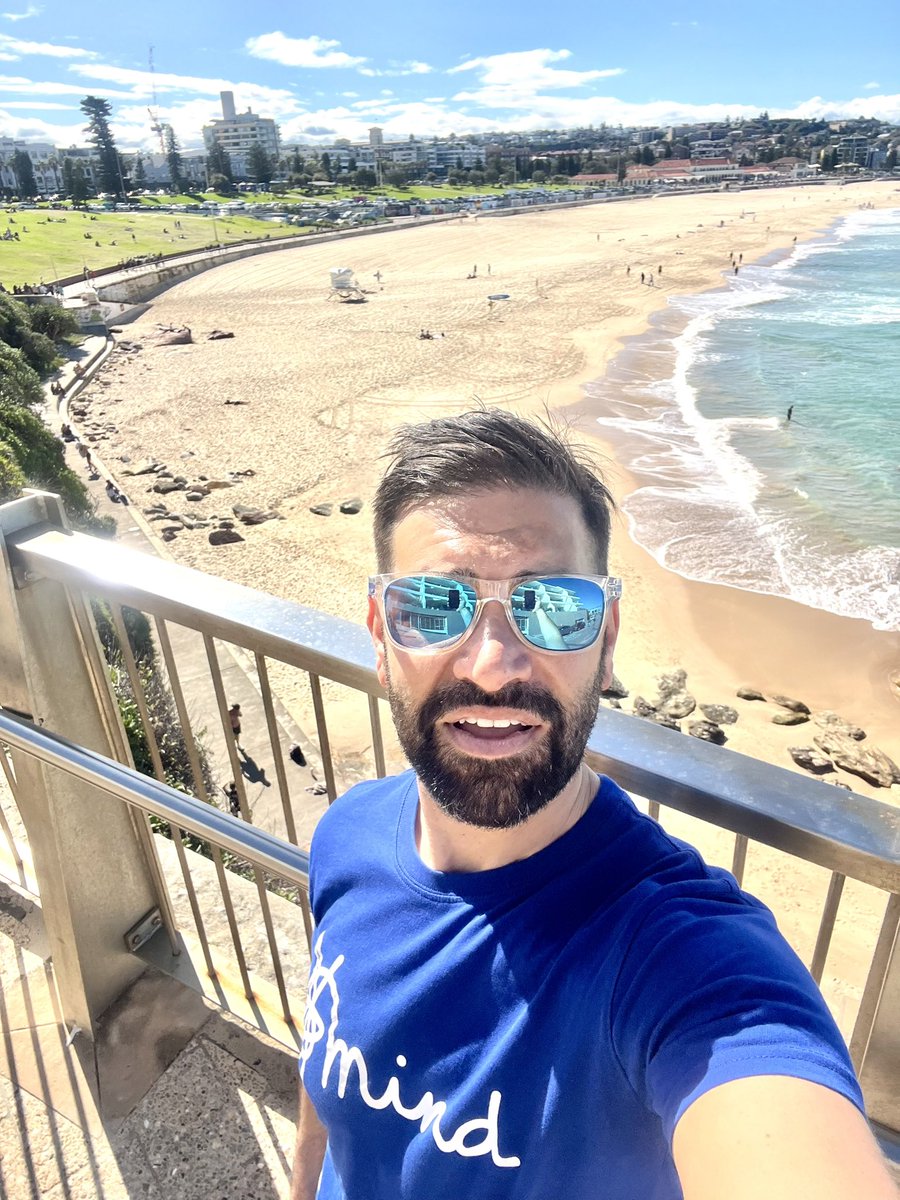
(796, 706)
(831, 720)
(719, 714)
(707, 731)
(790, 718)
(749, 693)
(351, 506)
(868, 762)
(222, 537)
(253, 516)
(674, 699)
(810, 759)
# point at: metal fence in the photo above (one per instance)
(752, 808)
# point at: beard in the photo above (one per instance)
(495, 793)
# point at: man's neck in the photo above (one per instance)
(445, 844)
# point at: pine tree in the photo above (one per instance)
(173, 160)
(259, 165)
(98, 112)
(23, 169)
(218, 161)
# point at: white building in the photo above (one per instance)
(46, 163)
(237, 134)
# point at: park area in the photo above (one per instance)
(58, 243)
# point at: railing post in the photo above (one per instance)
(876, 1040)
(94, 872)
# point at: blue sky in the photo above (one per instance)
(332, 70)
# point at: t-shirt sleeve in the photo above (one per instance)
(710, 992)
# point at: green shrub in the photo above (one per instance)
(11, 478)
(55, 322)
(20, 384)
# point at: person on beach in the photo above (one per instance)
(790, 413)
(522, 987)
(234, 716)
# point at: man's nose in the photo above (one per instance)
(493, 654)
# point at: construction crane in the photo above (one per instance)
(155, 124)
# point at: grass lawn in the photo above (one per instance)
(52, 243)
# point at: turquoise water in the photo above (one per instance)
(730, 490)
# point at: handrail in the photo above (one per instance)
(262, 849)
(841, 830)
(844, 831)
(303, 637)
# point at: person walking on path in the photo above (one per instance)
(234, 715)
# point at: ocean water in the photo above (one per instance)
(732, 492)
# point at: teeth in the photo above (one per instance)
(483, 723)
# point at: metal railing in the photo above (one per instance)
(853, 837)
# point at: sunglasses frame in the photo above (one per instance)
(486, 590)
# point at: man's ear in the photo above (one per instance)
(610, 634)
(376, 629)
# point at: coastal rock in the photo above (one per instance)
(169, 533)
(796, 706)
(642, 708)
(163, 486)
(719, 714)
(831, 720)
(659, 718)
(253, 516)
(674, 700)
(707, 731)
(868, 762)
(616, 690)
(218, 335)
(214, 485)
(149, 466)
(351, 506)
(322, 510)
(195, 496)
(172, 335)
(749, 693)
(222, 537)
(790, 718)
(810, 760)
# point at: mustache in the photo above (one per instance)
(465, 694)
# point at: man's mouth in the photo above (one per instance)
(491, 737)
(482, 727)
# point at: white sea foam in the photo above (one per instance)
(704, 509)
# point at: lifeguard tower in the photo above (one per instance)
(345, 287)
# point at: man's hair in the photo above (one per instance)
(477, 451)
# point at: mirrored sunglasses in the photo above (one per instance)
(549, 612)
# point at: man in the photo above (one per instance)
(521, 987)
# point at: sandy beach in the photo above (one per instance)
(306, 393)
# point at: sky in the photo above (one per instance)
(324, 71)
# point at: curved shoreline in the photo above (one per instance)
(322, 388)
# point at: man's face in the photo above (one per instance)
(497, 776)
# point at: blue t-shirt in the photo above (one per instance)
(536, 1030)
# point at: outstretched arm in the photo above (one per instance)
(309, 1151)
(773, 1137)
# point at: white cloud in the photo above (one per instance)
(870, 87)
(42, 105)
(511, 80)
(41, 87)
(350, 95)
(11, 45)
(31, 11)
(408, 68)
(300, 52)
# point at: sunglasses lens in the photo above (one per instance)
(428, 610)
(559, 613)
